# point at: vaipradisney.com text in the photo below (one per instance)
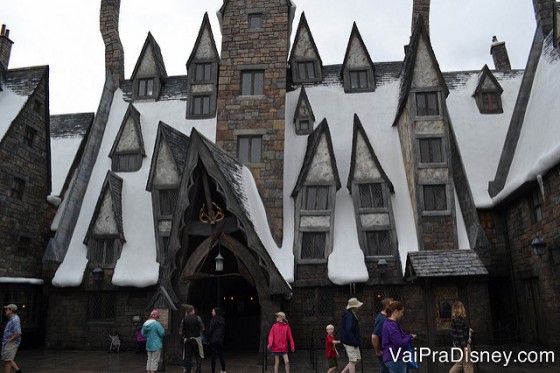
(424, 354)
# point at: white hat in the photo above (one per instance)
(353, 303)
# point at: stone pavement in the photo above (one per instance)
(50, 361)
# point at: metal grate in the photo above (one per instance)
(102, 306)
(313, 245)
(388, 292)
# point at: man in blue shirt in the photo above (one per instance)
(350, 334)
(11, 338)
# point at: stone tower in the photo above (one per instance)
(251, 93)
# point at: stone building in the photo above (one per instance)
(264, 180)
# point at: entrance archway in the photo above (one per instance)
(239, 302)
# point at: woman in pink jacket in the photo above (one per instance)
(280, 341)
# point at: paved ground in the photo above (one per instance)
(34, 361)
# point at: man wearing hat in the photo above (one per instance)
(350, 334)
(154, 332)
(11, 338)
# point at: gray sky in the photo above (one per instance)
(64, 34)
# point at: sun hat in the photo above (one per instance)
(12, 307)
(353, 303)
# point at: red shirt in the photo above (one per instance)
(330, 348)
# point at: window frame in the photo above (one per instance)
(133, 161)
(29, 136)
(535, 203)
(369, 250)
(325, 189)
(313, 234)
(255, 16)
(17, 189)
(201, 105)
(426, 188)
(358, 73)
(361, 206)
(315, 297)
(206, 72)
(486, 98)
(306, 64)
(92, 246)
(142, 88)
(431, 161)
(425, 96)
(249, 156)
(253, 89)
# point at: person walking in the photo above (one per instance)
(191, 330)
(280, 341)
(393, 340)
(330, 349)
(11, 338)
(154, 332)
(350, 334)
(461, 338)
(377, 331)
(215, 336)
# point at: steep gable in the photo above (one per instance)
(303, 115)
(149, 73)
(128, 149)
(488, 93)
(305, 62)
(358, 70)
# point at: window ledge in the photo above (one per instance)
(432, 165)
(436, 213)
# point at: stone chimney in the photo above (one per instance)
(544, 10)
(499, 54)
(421, 7)
(5, 48)
(556, 24)
(114, 52)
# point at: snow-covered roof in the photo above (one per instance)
(538, 147)
(480, 136)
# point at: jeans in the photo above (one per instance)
(384, 368)
(398, 366)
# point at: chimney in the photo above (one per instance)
(114, 52)
(5, 48)
(499, 54)
(421, 7)
(543, 13)
(556, 24)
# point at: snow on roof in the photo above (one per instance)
(480, 136)
(137, 265)
(21, 280)
(538, 148)
(11, 104)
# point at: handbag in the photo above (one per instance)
(412, 364)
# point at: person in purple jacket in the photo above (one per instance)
(394, 341)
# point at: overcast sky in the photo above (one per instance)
(64, 34)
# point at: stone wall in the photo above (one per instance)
(27, 218)
(261, 49)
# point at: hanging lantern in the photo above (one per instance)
(219, 259)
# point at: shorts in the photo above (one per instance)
(153, 360)
(353, 353)
(279, 353)
(333, 363)
(9, 351)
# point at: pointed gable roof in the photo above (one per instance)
(131, 113)
(303, 31)
(112, 186)
(303, 106)
(359, 131)
(409, 64)
(355, 35)
(486, 77)
(205, 38)
(313, 142)
(154, 48)
(178, 144)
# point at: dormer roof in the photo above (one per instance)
(150, 48)
(205, 45)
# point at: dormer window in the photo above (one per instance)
(146, 87)
(255, 20)
(435, 197)
(104, 251)
(490, 103)
(313, 245)
(427, 104)
(371, 196)
(317, 198)
(200, 105)
(202, 72)
(306, 70)
(304, 126)
(358, 79)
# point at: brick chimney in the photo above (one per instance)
(421, 7)
(114, 52)
(544, 10)
(5, 48)
(499, 54)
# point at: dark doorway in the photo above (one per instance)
(240, 305)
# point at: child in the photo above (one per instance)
(330, 349)
(280, 341)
